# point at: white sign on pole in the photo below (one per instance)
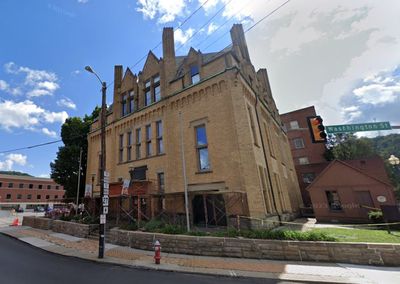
(105, 200)
(106, 191)
(106, 174)
(106, 185)
(102, 219)
(105, 210)
(88, 190)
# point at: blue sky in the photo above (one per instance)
(337, 55)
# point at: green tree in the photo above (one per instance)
(350, 147)
(65, 168)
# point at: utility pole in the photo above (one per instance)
(79, 178)
(104, 177)
(184, 175)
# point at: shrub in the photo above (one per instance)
(376, 216)
(154, 225)
(172, 229)
(129, 226)
(196, 233)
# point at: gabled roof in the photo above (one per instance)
(206, 58)
(150, 57)
(331, 164)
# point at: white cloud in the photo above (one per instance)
(27, 115)
(38, 93)
(183, 36)
(377, 93)
(49, 133)
(76, 72)
(44, 175)
(208, 5)
(165, 10)
(211, 28)
(66, 103)
(4, 86)
(83, 1)
(38, 82)
(52, 117)
(12, 159)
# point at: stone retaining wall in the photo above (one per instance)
(71, 228)
(37, 222)
(356, 253)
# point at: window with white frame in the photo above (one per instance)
(202, 148)
(160, 144)
(294, 124)
(194, 74)
(303, 161)
(298, 143)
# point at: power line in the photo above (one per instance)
(217, 54)
(206, 23)
(179, 27)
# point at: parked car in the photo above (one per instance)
(19, 210)
(39, 209)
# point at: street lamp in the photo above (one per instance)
(393, 160)
(103, 162)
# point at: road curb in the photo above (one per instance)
(215, 273)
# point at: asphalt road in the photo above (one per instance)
(21, 263)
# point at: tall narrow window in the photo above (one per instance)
(161, 186)
(121, 148)
(129, 146)
(132, 106)
(147, 93)
(148, 140)
(253, 128)
(202, 148)
(269, 140)
(124, 104)
(10, 185)
(157, 89)
(194, 73)
(138, 143)
(160, 144)
(21, 185)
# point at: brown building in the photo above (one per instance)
(27, 190)
(307, 156)
(347, 190)
(206, 122)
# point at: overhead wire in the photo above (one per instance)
(216, 55)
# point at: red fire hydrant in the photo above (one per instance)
(157, 252)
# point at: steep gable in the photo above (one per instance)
(338, 173)
(150, 63)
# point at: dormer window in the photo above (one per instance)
(157, 88)
(194, 73)
(124, 104)
(132, 106)
(147, 93)
(152, 91)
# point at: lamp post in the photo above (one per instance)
(102, 164)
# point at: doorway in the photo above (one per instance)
(209, 210)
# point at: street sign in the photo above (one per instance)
(106, 191)
(105, 210)
(105, 200)
(106, 174)
(345, 128)
(102, 219)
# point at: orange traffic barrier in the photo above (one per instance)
(15, 222)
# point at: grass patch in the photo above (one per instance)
(360, 235)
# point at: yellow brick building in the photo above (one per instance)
(207, 116)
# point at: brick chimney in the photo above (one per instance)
(117, 90)
(239, 41)
(169, 52)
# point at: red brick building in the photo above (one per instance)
(347, 190)
(26, 190)
(307, 156)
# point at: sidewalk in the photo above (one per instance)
(234, 267)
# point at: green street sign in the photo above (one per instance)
(372, 126)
